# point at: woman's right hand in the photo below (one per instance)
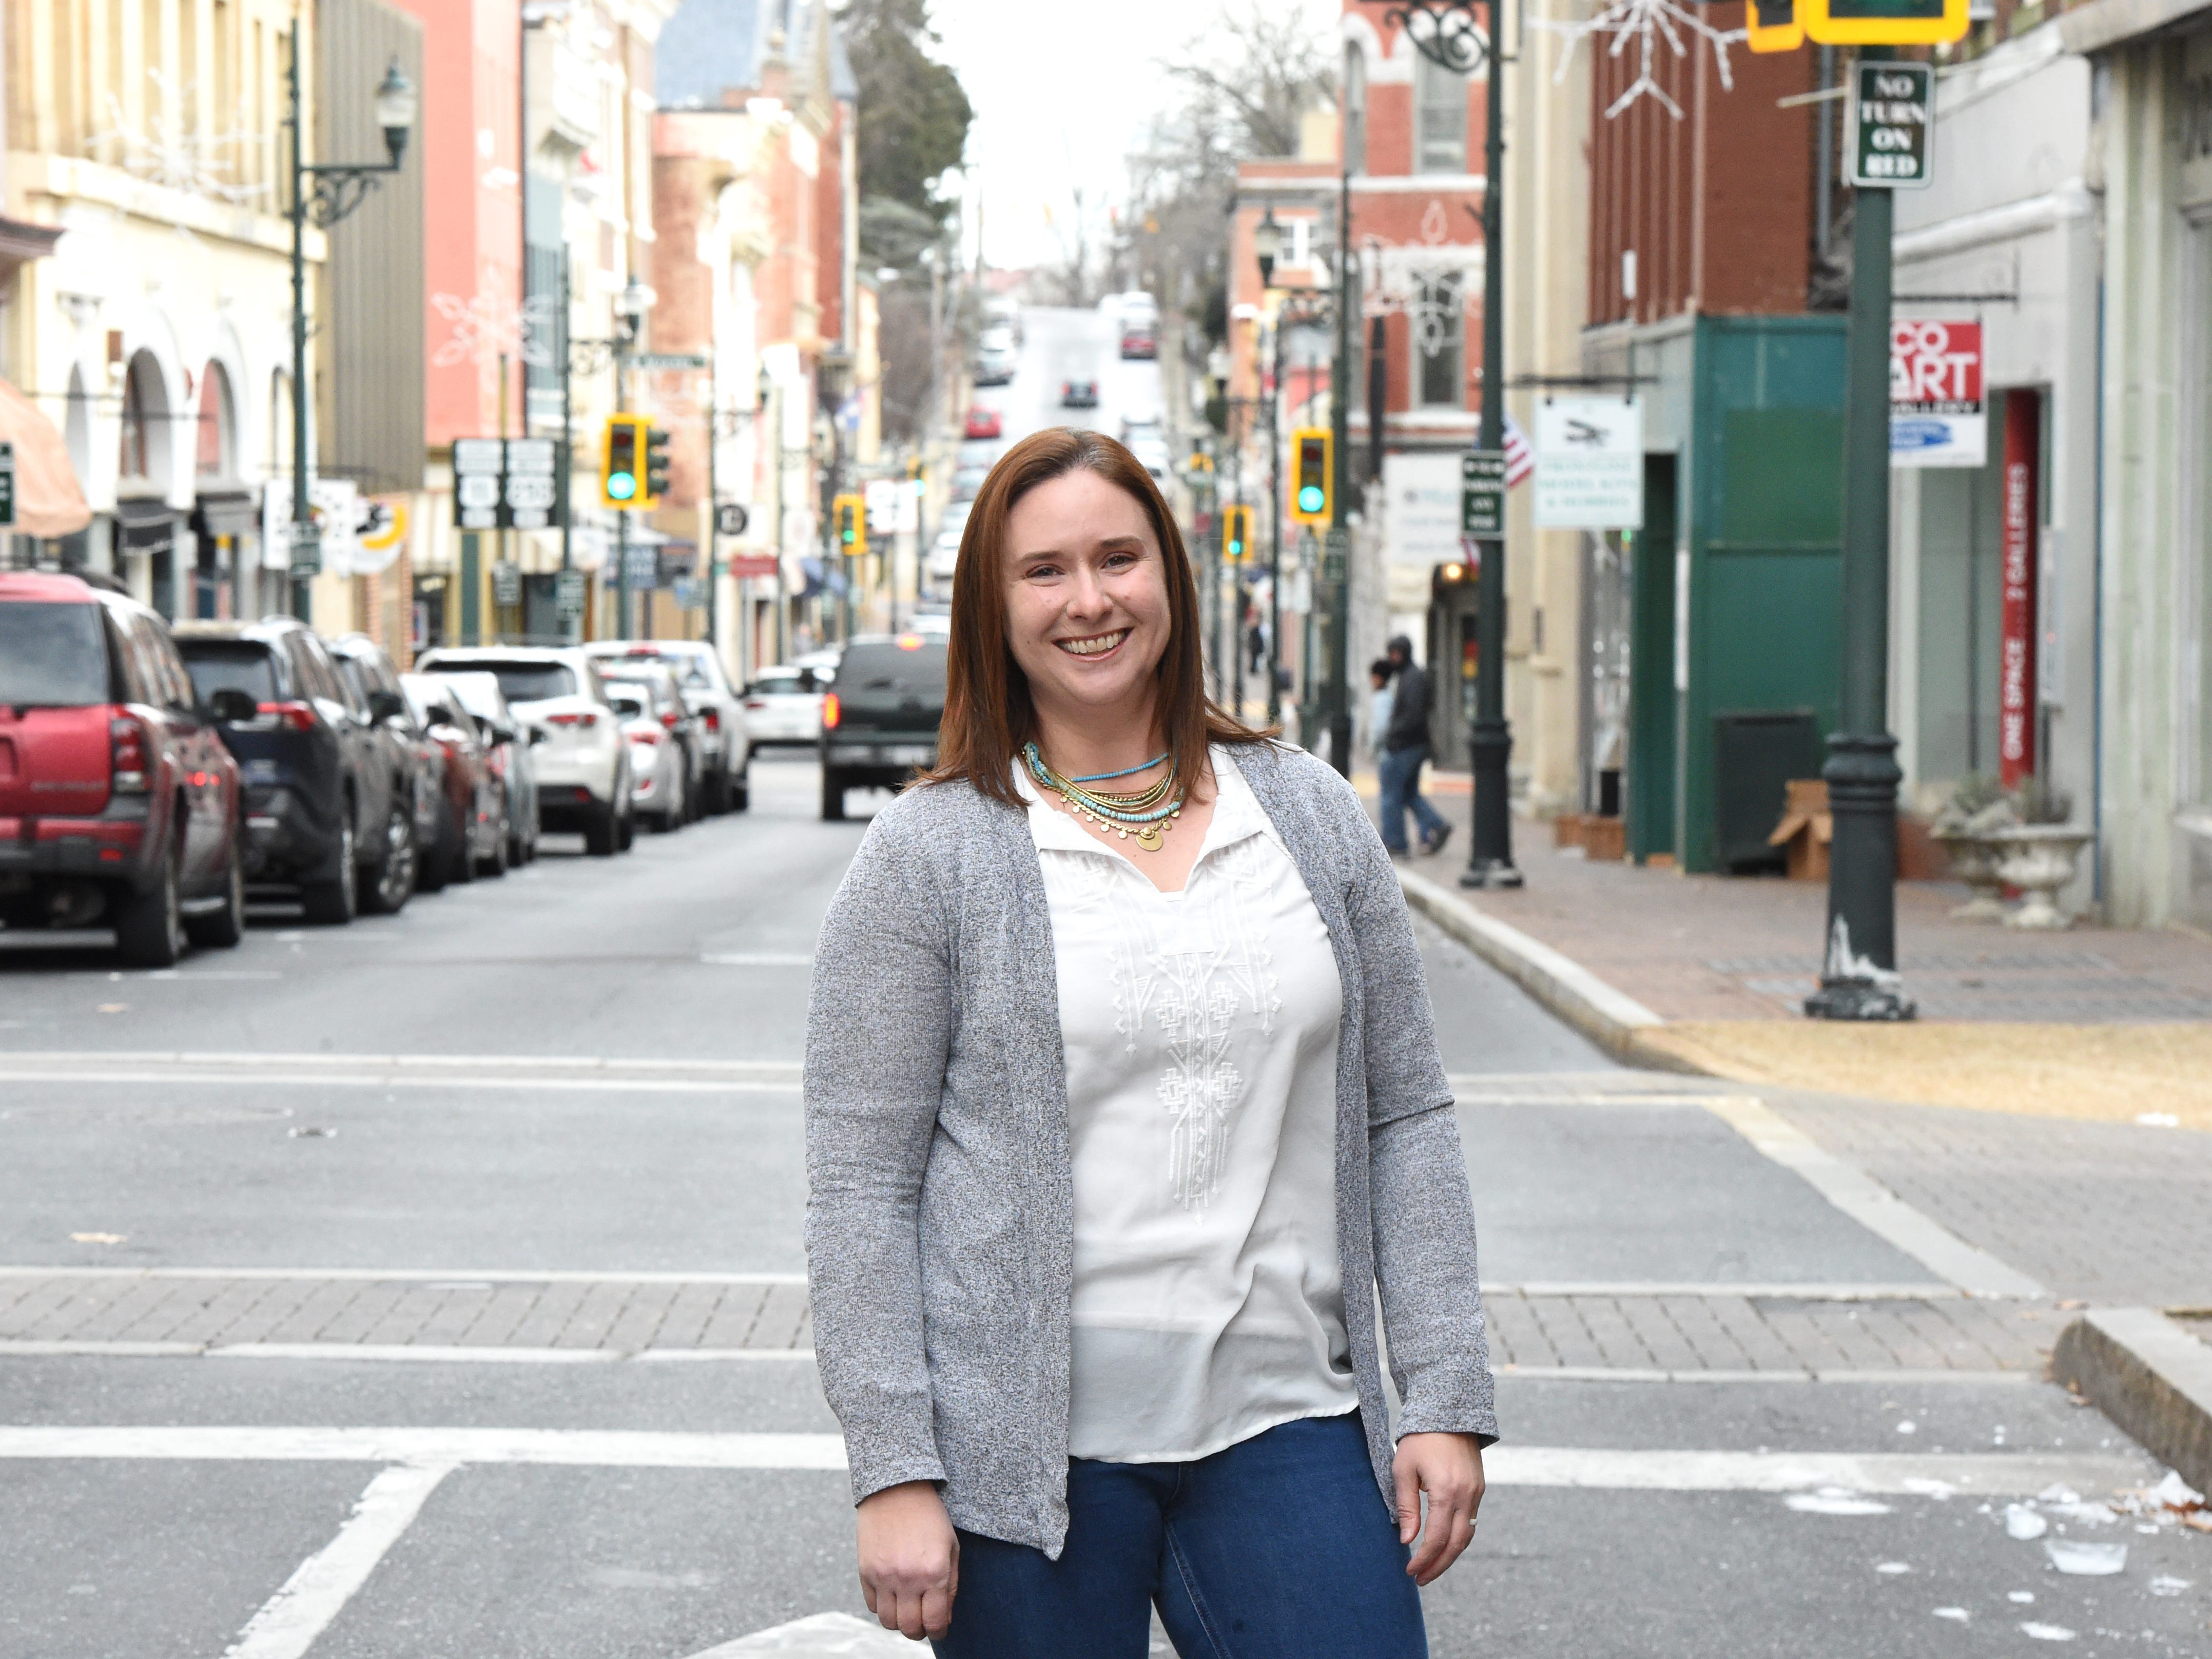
(909, 1559)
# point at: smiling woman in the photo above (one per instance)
(1114, 1134)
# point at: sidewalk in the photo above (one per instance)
(1709, 973)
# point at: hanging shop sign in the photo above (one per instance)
(6, 485)
(1589, 463)
(568, 590)
(383, 534)
(1892, 113)
(750, 566)
(730, 518)
(1420, 525)
(1937, 414)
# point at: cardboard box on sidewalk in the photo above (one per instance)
(1806, 830)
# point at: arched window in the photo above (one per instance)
(217, 447)
(76, 429)
(144, 450)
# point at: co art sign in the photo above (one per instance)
(1937, 414)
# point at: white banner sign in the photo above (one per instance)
(1421, 517)
(1589, 463)
(1936, 413)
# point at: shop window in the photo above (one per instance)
(143, 453)
(1439, 117)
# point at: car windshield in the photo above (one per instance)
(52, 655)
(688, 667)
(521, 682)
(919, 666)
(625, 700)
(230, 665)
(780, 684)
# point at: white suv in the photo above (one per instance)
(582, 763)
(726, 752)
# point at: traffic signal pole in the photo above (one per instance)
(621, 521)
(1858, 976)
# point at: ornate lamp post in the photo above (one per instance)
(836, 367)
(322, 194)
(1446, 33)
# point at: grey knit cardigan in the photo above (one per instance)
(940, 1205)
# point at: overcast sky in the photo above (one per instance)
(1062, 92)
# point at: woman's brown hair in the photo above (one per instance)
(987, 713)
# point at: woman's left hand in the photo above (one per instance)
(1449, 1468)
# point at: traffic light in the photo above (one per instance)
(852, 516)
(621, 481)
(1237, 535)
(656, 466)
(1773, 26)
(1310, 475)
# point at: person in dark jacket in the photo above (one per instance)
(1405, 747)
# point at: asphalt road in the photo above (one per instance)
(574, 1092)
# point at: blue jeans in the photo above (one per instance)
(1279, 1547)
(1401, 787)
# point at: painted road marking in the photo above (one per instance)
(301, 1610)
(611, 1083)
(1870, 1203)
(1993, 1473)
(451, 1277)
(426, 1353)
(785, 1070)
(820, 1636)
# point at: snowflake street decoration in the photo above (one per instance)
(486, 327)
(1645, 22)
(1424, 281)
(193, 163)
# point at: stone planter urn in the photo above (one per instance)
(1974, 857)
(2039, 859)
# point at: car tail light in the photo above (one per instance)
(668, 718)
(581, 722)
(644, 734)
(756, 702)
(832, 710)
(126, 755)
(714, 720)
(292, 716)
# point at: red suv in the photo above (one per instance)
(118, 802)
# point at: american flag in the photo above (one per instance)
(1520, 460)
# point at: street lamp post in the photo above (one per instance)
(630, 307)
(323, 193)
(1445, 32)
(836, 365)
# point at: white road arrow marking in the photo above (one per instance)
(290, 1621)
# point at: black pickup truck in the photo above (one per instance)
(879, 720)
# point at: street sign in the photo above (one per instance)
(1892, 112)
(505, 483)
(1482, 492)
(506, 584)
(307, 553)
(527, 492)
(730, 518)
(568, 596)
(641, 567)
(753, 567)
(1936, 415)
(1884, 22)
(6, 485)
(651, 360)
(478, 464)
(1589, 463)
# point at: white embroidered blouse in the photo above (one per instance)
(1200, 1035)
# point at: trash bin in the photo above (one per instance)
(1756, 752)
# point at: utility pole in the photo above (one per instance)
(621, 514)
(1336, 562)
(1275, 531)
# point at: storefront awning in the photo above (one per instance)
(48, 502)
(225, 509)
(148, 525)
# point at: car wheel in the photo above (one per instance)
(225, 928)
(626, 830)
(833, 796)
(150, 933)
(495, 864)
(599, 833)
(741, 789)
(395, 876)
(335, 902)
(721, 795)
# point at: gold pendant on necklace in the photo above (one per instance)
(1149, 838)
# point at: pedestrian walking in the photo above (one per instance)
(1378, 704)
(1405, 747)
(1123, 1101)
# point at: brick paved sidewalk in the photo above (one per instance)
(1630, 1331)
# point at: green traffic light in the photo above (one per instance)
(621, 486)
(1309, 499)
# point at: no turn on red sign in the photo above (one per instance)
(1937, 415)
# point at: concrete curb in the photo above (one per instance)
(2150, 1376)
(1614, 1021)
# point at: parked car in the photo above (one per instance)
(1079, 394)
(879, 725)
(119, 804)
(657, 761)
(1135, 427)
(725, 741)
(583, 765)
(469, 803)
(1139, 340)
(784, 706)
(368, 668)
(996, 365)
(982, 422)
(680, 726)
(1151, 454)
(968, 482)
(511, 749)
(329, 809)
